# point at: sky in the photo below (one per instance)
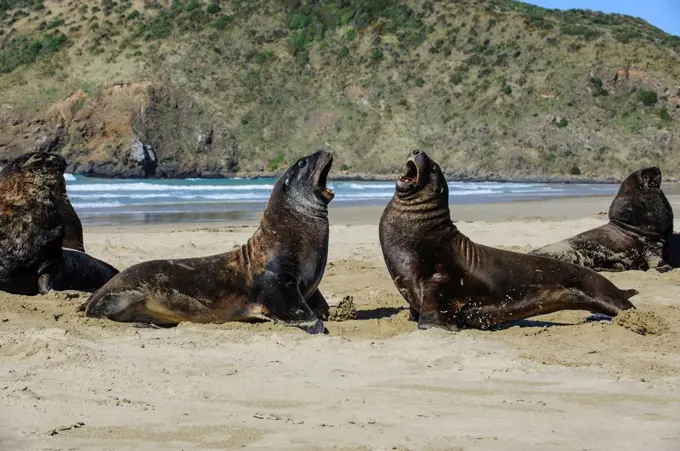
(664, 14)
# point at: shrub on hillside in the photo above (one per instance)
(648, 98)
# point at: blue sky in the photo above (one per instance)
(664, 14)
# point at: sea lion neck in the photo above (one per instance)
(284, 203)
(423, 213)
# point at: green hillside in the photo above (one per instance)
(493, 88)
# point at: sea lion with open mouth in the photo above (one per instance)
(274, 276)
(640, 224)
(453, 283)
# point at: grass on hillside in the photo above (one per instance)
(486, 86)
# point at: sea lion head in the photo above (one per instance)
(39, 168)
(423, 179)
(304, 182)
(640, 204)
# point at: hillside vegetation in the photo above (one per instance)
(491, 88)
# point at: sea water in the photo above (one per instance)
(116, 201)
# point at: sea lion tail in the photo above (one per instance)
(627, 294)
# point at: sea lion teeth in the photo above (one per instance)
(640, 226)
(274, 276)
(453, 283)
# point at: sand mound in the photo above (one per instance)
(641, 322)
(344, 311)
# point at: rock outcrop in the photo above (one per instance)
(134, 130)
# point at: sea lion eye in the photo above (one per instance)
(435, 168)
(303, 163)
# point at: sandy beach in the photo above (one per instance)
(565, 381)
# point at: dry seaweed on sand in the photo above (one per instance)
(344, 311)
(641, 322)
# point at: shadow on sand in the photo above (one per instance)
(378, 313)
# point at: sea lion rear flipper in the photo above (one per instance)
(627, 294)
(539, 300)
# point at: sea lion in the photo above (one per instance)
(453, 283)
(31, 227)
(34, 209)
(640, 224)
(274, 276)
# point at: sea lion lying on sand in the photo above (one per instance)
(275, 275)
(640, 224)
(451, 282)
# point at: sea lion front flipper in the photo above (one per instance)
(281, 294)
(539, 300)
(44, 284)
(431, 314)
(664, 268)
(318, 305)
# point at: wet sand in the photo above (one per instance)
(565, 381)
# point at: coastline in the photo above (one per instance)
(375, 380)
(553, 209)
(370, 177)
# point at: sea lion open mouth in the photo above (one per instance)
(326, 193)
(412, 173)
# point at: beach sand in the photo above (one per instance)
(565, 381)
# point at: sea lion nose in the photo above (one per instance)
(415, 152)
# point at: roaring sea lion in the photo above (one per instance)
(451, 282)
(31, 227)
(640, 224)
(34, 209)
(274, 276)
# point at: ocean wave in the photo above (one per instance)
(119, 196)
(473, 192)
(536, 190)
(368, 185)
(69, 177)
(162, 187)
(247, 196)
(492, 185)
(96, 204)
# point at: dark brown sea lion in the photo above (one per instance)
(31, 227)
(640, 224)
(34, 209)
(275, 275)
(451, 282)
